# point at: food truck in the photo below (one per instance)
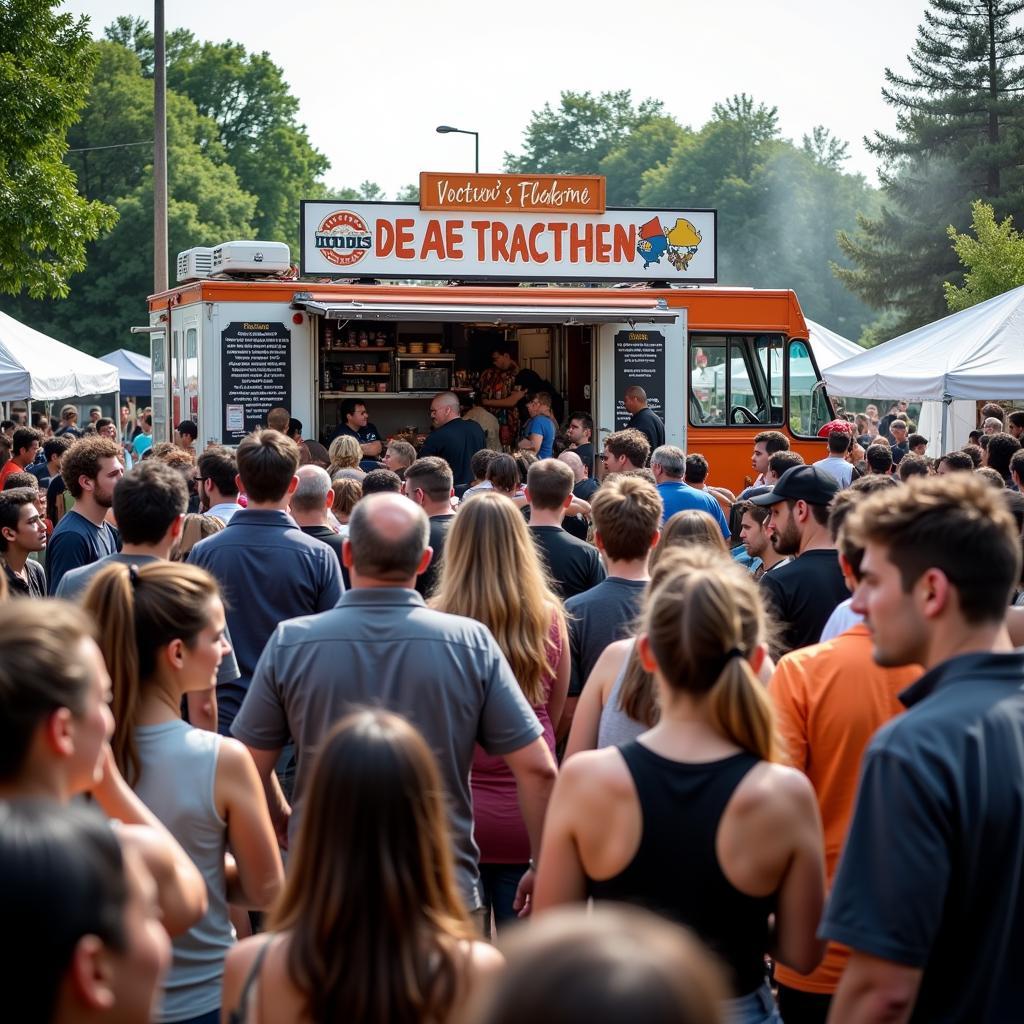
(394, 302)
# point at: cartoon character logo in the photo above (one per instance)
(678, 244)
(343, 238)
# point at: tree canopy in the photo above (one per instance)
(959, 133)
(46, 65)
(994, 258)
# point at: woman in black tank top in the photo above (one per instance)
(695, 819)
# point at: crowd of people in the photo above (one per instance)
(370, 733)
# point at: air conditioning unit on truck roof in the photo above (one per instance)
(238, 257)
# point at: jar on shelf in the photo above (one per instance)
(384, 367)
(364, 341)
(382, 387)
(328, 335)
(360, 386)
(351, 339)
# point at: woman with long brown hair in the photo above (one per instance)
(370, 926)
(162, 636)
(697, 819)
(491, 572)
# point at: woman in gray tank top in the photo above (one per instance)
(162, 636)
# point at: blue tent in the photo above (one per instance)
(133, 369)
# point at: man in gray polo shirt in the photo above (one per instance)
(382, 647)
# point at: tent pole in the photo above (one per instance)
(946, 400)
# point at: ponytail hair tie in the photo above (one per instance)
(133, 575)
(734, 652)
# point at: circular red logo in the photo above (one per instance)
(343, 238)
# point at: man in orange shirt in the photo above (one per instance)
(24, 447)
(830, 699)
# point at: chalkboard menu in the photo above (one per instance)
(639, 360)
(256, 375)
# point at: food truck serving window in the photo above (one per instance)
(736, 379)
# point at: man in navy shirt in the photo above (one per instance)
(91, 468)
(642, 417)
(453, 439)
(930, 889)
(355, 422)
(268, 568)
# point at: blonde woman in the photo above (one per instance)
(345, 453)
(697, 819)
(491, 572)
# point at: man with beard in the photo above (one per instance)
(91, 469)
(804, 592)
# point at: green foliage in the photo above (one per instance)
(959, 133)
(46, 64)
(580, 133)
(206, 203)
(994, 258)
(254, 114)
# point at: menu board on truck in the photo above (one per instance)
(639, 360)
(256, 375)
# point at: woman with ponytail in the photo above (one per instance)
(162, 636)
(696, 819)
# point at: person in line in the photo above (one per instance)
(955, 462)
(539, 432)
(452, 438)
(376, 814)
(574, 565)
(642, 417)
(55, 724)
(382, 481)
(584, 485)
(668, 464)
(991, 425)
(355, 423)
(696, 476)
(766, 444)
(899, 432)
(625, 451)
(935, 917)
(24, 448)
(383, 634)
(194, 528)
(1001, 449)
(610, 964)
(278, 419)
(162, 634)
(91, 469)
(879, 459)
(218, 483)
(917, 444)
(310, 452)
(778, 464)
(82, 910)
(830, 698)
(429, 484)
(267, 567)
(697, 819)
(310, 504)
(400, 455)
(473, 411)
(49, 468)
(144, 439)
(803, 593)
(756, 539)
(689, 527)
(627, 519)
(580, 432)
(1015, 424)
(478, 466)
(22, 533)
(186, 433)
(503, 476)
(836, 464)
(69, 423)
(913, 465)
(346, 455)
(526, 618)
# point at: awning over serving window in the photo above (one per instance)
(533, 311)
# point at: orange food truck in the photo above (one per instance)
(397, 301)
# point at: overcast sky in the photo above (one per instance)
(374, 79)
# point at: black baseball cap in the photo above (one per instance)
(812, 484)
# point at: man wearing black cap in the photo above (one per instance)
(804, 592)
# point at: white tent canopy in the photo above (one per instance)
(38, 368)
(828, 347)
(977, 353)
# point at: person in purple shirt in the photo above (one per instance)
(267, 567)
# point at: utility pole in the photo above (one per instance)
(160, 242)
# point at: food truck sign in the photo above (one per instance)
(400, 240)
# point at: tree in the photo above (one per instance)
(646, 147)
(994, 258)
(246, 97)
(576, 137)
(959, 132)
(206, 203)
(46, 65)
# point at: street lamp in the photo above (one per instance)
(445, 129)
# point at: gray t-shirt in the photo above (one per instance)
(384, 648)
(74, 584)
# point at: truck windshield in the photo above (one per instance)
(809, 408)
